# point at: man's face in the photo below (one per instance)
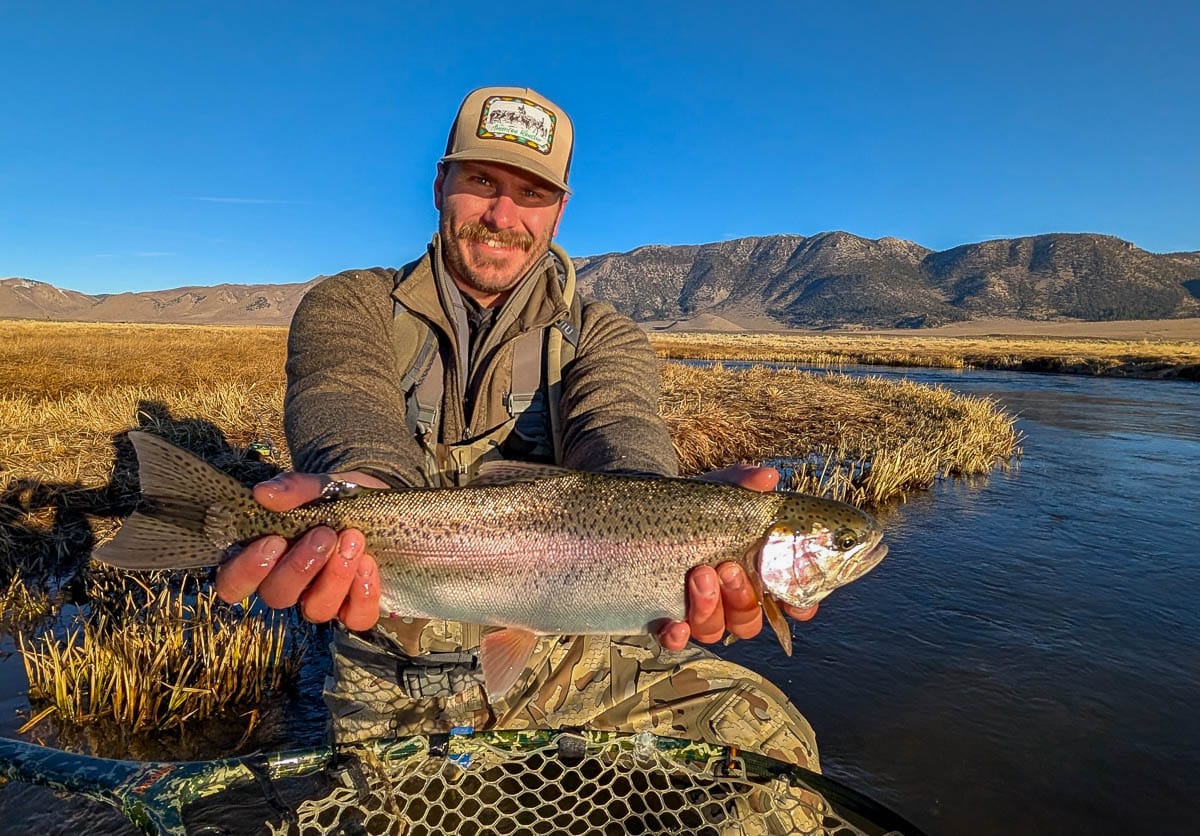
(495, 222)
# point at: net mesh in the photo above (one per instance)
(559, 783)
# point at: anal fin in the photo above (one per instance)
(503, 655)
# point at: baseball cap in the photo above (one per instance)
(514, 126)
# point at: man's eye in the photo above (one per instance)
(483, 181)
(532, 194)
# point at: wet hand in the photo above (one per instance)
(723, 598)
(327, 572)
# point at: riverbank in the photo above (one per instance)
(954, 347)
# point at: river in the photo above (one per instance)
(1027, 658)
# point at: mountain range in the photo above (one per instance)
(778, 281)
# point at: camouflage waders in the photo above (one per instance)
(599, 682)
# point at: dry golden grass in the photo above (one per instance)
(59, 358)
(1089, 356)
(157, 659)
(862, 440)
(70, 392)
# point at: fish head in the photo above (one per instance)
(814, 546)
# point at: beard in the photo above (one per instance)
(489, 275)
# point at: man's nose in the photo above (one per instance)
(501, 213)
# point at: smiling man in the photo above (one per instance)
(479, 350)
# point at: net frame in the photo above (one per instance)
(541, 781)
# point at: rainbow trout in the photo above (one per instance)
(534, 549)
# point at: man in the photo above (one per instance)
(367, 404)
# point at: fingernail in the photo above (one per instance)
(365, 577)
(322, 541)
(348, 552)
(732, 577)
(271, 551)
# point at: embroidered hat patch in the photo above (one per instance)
(517, 120)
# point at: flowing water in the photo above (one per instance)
(1027, 658)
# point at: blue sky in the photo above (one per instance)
(150, 145)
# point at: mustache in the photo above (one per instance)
(472, 231)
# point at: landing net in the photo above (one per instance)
(546, 782)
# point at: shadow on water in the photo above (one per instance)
(46, 528)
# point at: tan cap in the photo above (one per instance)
(513, 126)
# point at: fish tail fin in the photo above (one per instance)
(189, 514)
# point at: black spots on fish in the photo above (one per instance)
(803, 513)
(181, 495)
(151, 542)
(169, 472)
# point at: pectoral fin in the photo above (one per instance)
(775, 616)
(503, 656)
(778, 622)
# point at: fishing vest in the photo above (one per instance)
(533, 429)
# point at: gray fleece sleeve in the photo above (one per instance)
(344, 409)
(610, 399)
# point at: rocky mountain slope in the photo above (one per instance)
(223, 304)
(830, 279)
(836, 278)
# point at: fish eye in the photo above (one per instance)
(845, 539)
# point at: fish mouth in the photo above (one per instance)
(863, 562)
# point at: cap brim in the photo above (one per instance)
(515, 160)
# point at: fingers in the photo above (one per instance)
(298, 568)
(288, 490)
(329, 574)
(239, 576)
(799, 614)
(722, 599)
(705, 617)
(674, 635)
(360, 609)
(324, 596)
(745, 476)
(718, 600)
(743, 614)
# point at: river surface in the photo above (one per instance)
(1027, 658)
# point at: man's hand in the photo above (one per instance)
(722, 599)
(328, 572)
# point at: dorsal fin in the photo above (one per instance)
(507, 472)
